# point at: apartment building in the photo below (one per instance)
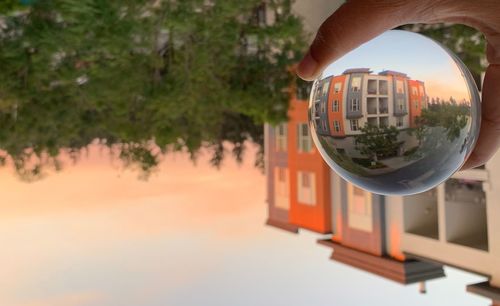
(404, 239)
(347, 102)
(320, 201)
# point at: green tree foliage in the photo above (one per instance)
(9, 6)
(378, 142)
(177, 75)
(451, 116)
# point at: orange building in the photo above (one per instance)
(345, 103)
(336, 105)
(309, 174)
(417, 99)
(304, 193)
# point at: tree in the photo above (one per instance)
(378, 142)
(449, 115)
(182, 75)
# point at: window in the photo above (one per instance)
(359, 208)
(401, 104)
(336, 126)
(400, 87)
(337, 86)
(373, 121)
(414, 91)
(281, 132)
(307, 188)
(354, 125)
(304, 140)
(399, 121)
(416, 104)
(281, 188)
(382, 87)
(324, 90)
(252, 46)
(355, 83)
(335, 106)
(421, 89)
(306, 180)
(261, 15)
(323, 125)
(372, 86)
(354, 105)
(303, 90)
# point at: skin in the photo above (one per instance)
(358, 21)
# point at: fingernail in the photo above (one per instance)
(307, 68)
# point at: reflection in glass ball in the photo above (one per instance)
(396, 116)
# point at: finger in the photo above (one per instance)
(489, 136)
(352, 24)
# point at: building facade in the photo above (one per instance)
(404, 239)
(309, 174)
(345, 103)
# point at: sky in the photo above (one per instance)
(419, 57)
(94, 234)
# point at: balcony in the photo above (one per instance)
(383, 105)
(382, 87)
(420, 213)
(373, 121)
(465, 207)
(372, 87)
(371, 106)
(384, 121)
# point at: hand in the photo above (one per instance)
(358, 21)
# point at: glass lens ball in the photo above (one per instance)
(396, 116)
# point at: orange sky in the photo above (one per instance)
(92, 207)
(94, 236)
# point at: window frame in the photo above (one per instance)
(402, 87)
(358, 87)
(304, 142)
(335, 89)
(335, 106)
(336, 126)
(355, 101)
(281, 139)
(356, 125)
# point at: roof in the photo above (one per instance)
(403, 272)
(393, 73)
(282, 225)
(357, 70)
(486, 290)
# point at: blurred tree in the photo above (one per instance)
(8, 6)
(182, 74)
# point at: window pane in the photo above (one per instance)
(305, 180)
(304, 130)
(399, 86)
(356, 83)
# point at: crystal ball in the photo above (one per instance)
(396, 116)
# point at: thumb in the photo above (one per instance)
(354, 23)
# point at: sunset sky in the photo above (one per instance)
(94, 234)
(419, 57)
